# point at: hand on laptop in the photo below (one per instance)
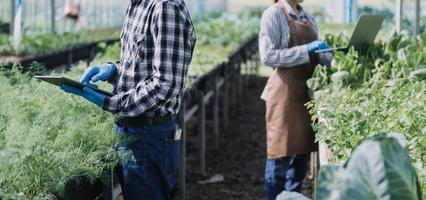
(317, 45)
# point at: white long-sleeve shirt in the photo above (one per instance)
(274, 38)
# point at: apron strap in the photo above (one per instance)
(291, 24)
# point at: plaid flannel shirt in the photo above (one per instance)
(157, 43)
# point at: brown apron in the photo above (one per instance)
(288, 121)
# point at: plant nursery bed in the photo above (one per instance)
(61, 57)
(4, 27)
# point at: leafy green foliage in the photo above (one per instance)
(6, 46)
(48, 137)
(111, 52)
(213, 46)
(48, 43)
(380, 89)
(379, 168)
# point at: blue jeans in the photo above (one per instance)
(285, 174)
(149, 157)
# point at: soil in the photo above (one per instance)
(241, 156)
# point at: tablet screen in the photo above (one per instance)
(59, 80)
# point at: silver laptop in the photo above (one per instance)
(364, 34)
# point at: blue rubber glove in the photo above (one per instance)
(87, 93)
(99, 73)
(317, 45)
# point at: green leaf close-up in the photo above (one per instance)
(379, 169)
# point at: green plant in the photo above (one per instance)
(375, 90)
(48, 137)
(378, 169)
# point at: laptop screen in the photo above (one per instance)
(366, 30)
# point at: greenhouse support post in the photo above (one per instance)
(349, 9)
(417, 20)
(12, 15)
(225, 112)
(216, 102)
(200, 6)
(182, 151)
(52, 15)
(202, 132)
(17, 25)
(398, 16)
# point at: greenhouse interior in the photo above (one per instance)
(182, 99)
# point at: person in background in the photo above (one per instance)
(288, 40)
(72, 12)
(157, 44)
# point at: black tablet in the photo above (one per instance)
(59, 80)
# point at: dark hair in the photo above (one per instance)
(275, 1)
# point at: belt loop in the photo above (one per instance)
(150, 121)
